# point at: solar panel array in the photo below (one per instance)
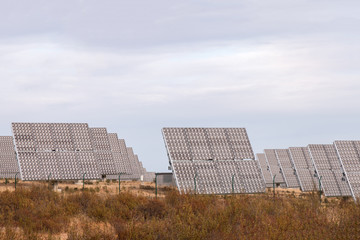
(213, 160)
(328, 167)
(67, 151)
(8, 163)
(265, 169)
(304, 168)
(348, 152)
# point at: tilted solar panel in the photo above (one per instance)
(304, 168)
(56, 151)
(287, 168)
(273, 164)
(265, 169)
(328, 168)
(213, 160)
(102, 149)
(8, 163)
(349, 154)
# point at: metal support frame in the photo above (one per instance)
(16, 179)
(119, 182)
(232, 184)
(156, 190)
(195, 181)
(83, 181)
(320, 187)
(274, 184)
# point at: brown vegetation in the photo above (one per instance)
(39, 213)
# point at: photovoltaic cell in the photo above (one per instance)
(304, 168)
(8, 163)
(273, 164)
(207, 143)
(56, 151)
(102, 149)
(265, 169)
(350, 160)
(287, 168)
(327, 165)
(218, 160)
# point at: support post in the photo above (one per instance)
(49, 177)
(274, 184)
(119, 181)
(16, 179)
(195, 181)
(232, 183)
(320, 187)
(156, 190)
(84, 180)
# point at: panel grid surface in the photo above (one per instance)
(273, 164)
(349, 154)
(102, 148)
(287, 169)
(265, 169)
(8, 163)
(221, 159)
(328, 168)
(56, 151)
(304, 168)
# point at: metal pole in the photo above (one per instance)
(195, 181)
(320, 187)
(84, 180)
(156, 190)
(232, 183)
(119, 181)
(49, 177)
(15, 179)
(274, 184)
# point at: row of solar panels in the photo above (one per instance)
(333, 168)
(67, 151)
(213, 160)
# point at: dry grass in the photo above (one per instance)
(35, 212)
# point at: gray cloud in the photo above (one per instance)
(288, 71)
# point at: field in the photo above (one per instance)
(36, 211)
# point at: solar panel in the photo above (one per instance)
(102, 149)
(327, 165)
(216, 156)
(265, 169)
(134, 174)
(287, 168)
(207, 178)
(57, 151)
(184, 172)
(229, 170)
(348, 152)
(207, 143)
(304, 168)
(124, 156)
(251, 176)
(116, 152)
(274, 166)
(8, 163)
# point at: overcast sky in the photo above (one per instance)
(288, 71)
